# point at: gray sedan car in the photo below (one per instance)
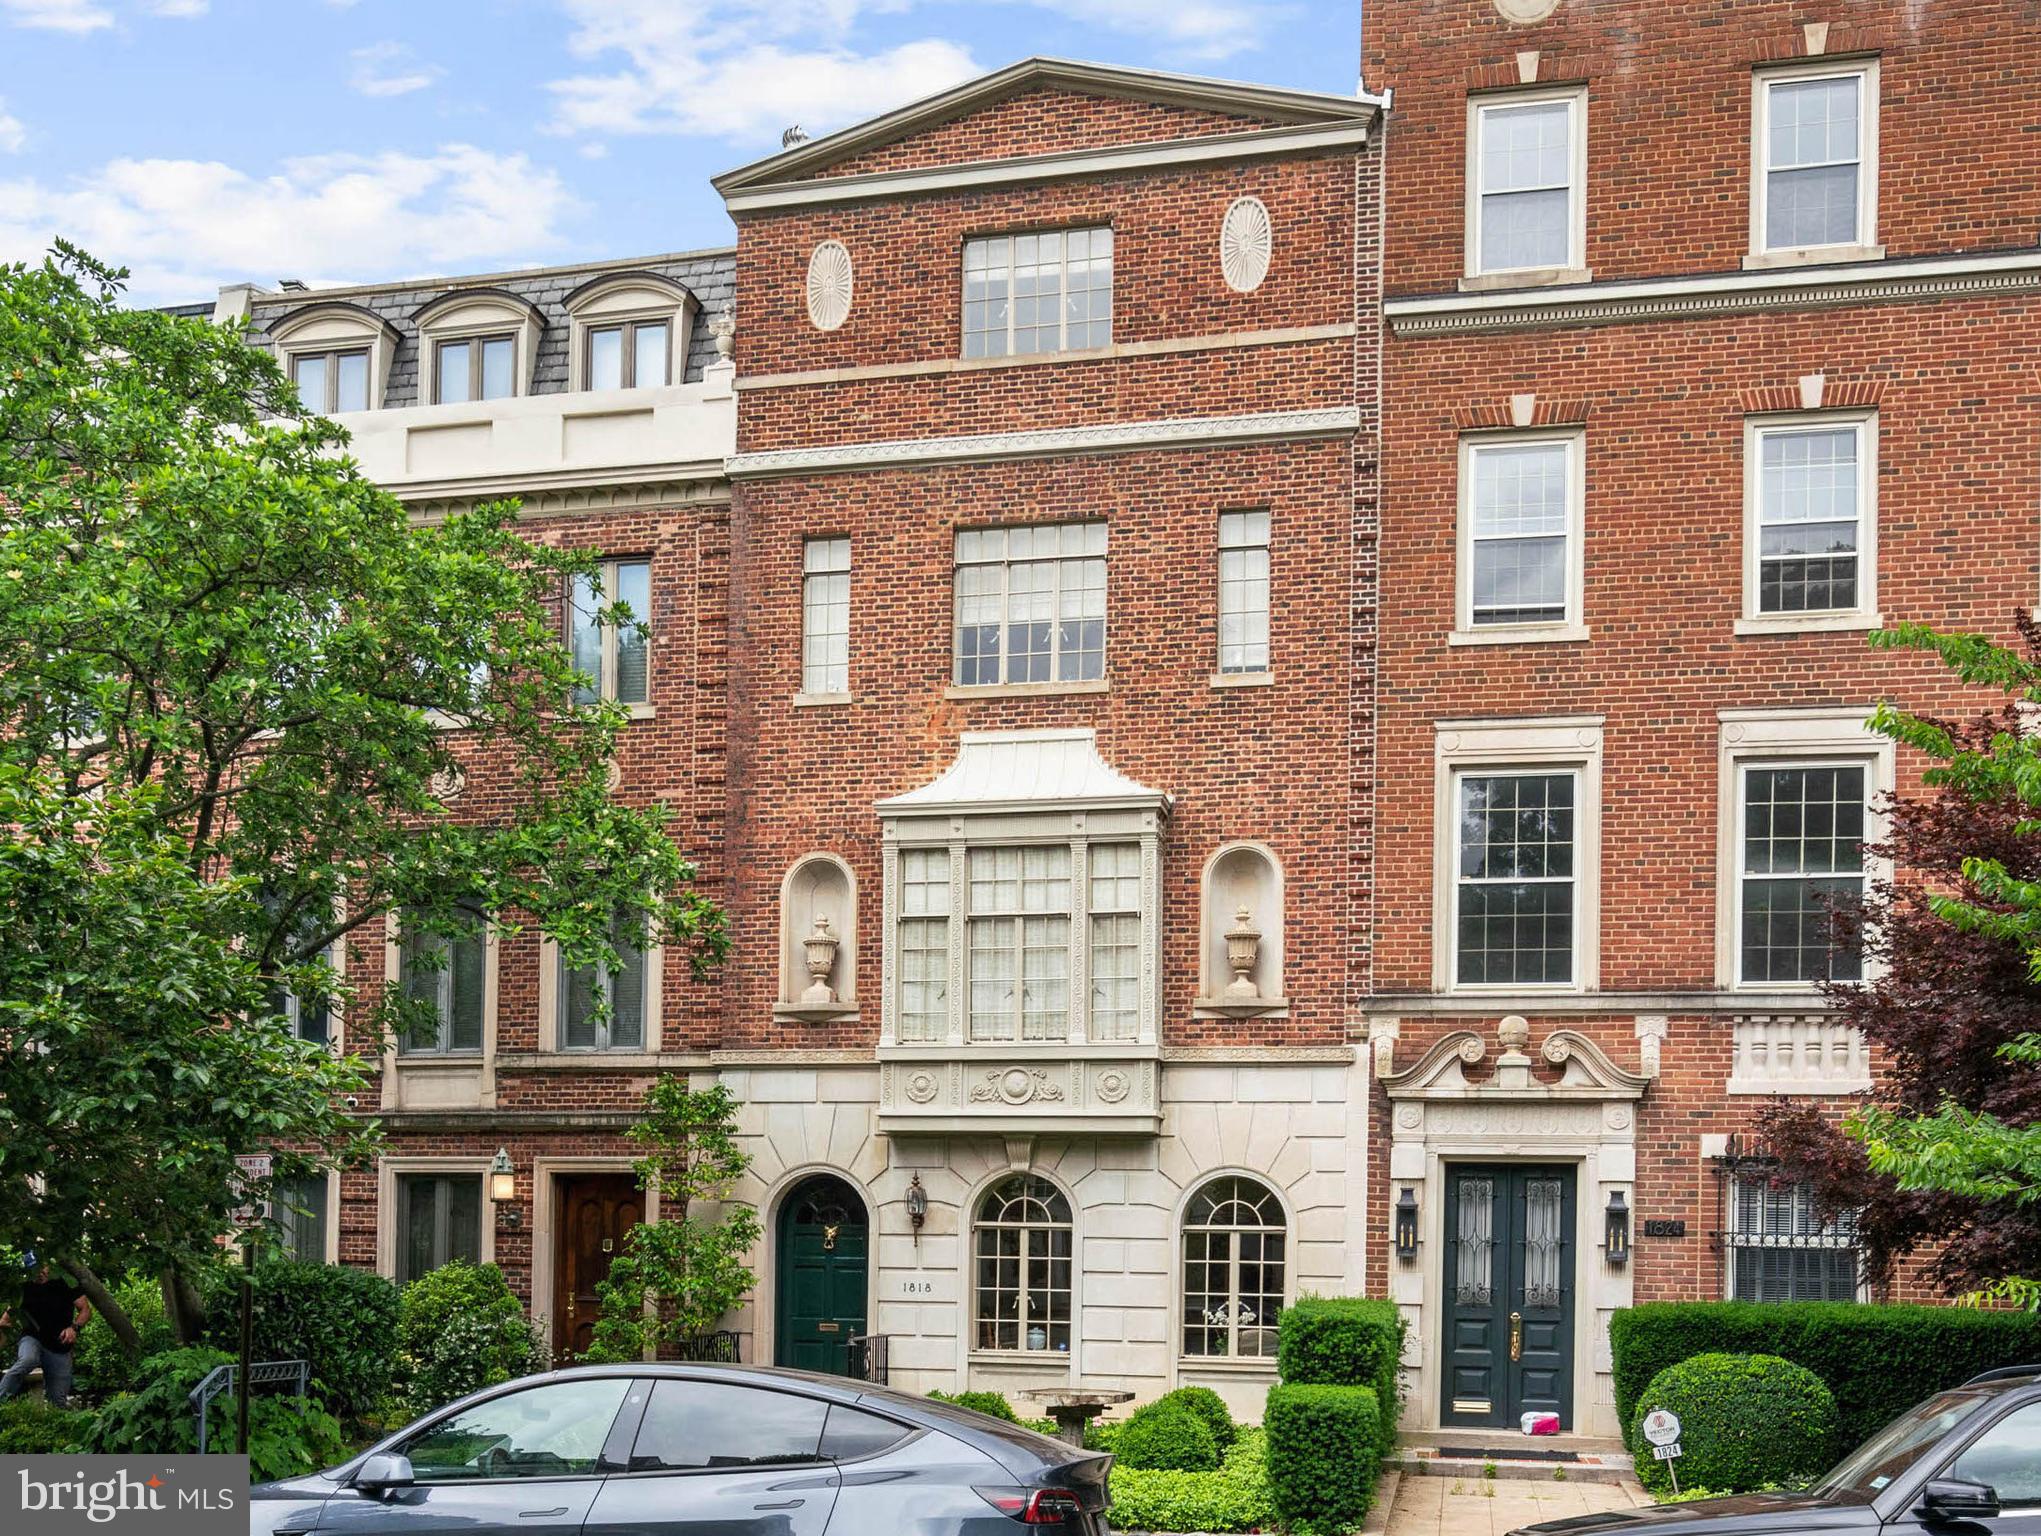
(696, 1450)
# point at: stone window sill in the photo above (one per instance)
(592, 1061)
(1023, 690)
(1812, 256)
(820, 700)
(1243, 679)
(1810, 623)
(1796, 1087)
(815, 1013)
(1045, 1359)
(642, 711)
(1520, 634)
(449, 1062)
(1536, 277)
(1248, 1008)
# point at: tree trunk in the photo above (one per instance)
(102, 1301)
(182, 1306)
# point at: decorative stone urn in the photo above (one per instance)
(1243, 949)
(820, 950)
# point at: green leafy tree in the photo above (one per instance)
(678, 1276)
(246, 698)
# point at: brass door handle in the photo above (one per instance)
(1516, 1335)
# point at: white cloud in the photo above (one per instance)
(390, 69)
(181, 9)
(186, 226)
(57, 15)
(12, 134)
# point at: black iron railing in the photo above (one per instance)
(868, 1358)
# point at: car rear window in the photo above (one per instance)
(852, 1433)
(690, 1425)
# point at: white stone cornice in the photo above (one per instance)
(1732, 293)
(1109, 437)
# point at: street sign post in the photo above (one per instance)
(1662, 1429)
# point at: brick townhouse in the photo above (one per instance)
(1710, 347)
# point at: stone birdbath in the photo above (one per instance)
(1072, 1409)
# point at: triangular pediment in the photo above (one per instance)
(1034, 108)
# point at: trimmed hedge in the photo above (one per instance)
(1211, 1407)
(1746, 1422)
(1878, 1361)
(1345, 1341)
(1234, 1498)
(993, 1404)
(341, 1319)
(1167, 1436)
(1323, 1454)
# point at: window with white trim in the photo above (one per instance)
(924, 945)
(615, 658)
(1244, 591)
(439, 1220)
(1115, 941)
(1018, 943)
(1031, 604)
(1801, 866)
(1782, 1249)
(332, 382)
(1817, 141)
(1022, 1241)
(1522, 511)
(603, 1009)
(444, 978)
(1046, 292)
(825, 616)
(1516, 891)
(1233, 1255)
(1811, 520)
(1526, 173)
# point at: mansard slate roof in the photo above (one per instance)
(1274, 106)
(710, 275)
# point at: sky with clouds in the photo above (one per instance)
(207, 141)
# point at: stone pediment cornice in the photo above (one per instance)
(1586, 1072)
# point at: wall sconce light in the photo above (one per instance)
(502, 1178)
(917, 1207)
(1617, 1242)
(1406, 1225)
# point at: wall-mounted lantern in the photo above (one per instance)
(917, 1207)
(1617, 1241)
(1406, 1225)
(502, 1177)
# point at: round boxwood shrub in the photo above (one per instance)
(1746, 1421)
(1166, 1436)
(1211, 1407)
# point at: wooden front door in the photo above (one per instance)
(821, 1287)
(1508, 1294)
(596, 1212)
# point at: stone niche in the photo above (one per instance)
(818, 941)
(1240, 949)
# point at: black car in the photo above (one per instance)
(686, 1450)
(1967, 1462)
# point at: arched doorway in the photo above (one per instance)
(823, 1253)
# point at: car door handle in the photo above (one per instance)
(541, 1514)
(784, 1504)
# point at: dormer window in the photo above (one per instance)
(477, 344)
(631, 331)
(337, 355)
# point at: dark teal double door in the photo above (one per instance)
(1508, 1293)
(824, 1253)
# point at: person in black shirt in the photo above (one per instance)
(52, 1312)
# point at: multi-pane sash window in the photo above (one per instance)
(1019, 938)
(924, 952)
(439, 1220)
(1233, 1239)
(1243, 591)
(474, 368)
(1814, 141)
(1518, 525)
(1810, 517)
(310, 1015)
(445, 975)
(1021, 1247)
(1115, 917)
(825, 616)
(626, 990)
(1525, 164)
(1050, 292)
(1031, 604)
(332, 382)
(1802, 853)
(615, 658)
(629, 356)
(298, 1215)
(1515, 879)
(1780, 1249)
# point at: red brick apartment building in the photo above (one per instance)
(1711, 340)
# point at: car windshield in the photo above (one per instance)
(1883, 1459)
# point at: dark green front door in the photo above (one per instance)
(821, 1285)
(1508, 1294)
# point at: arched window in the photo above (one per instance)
(1233, 1245)
(1022, 1243)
